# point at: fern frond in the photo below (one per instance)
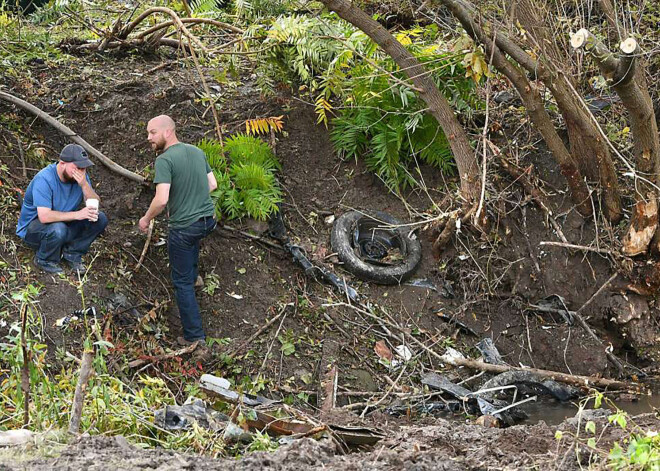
(251, 176)
(322, 108)
(203, 6)
(243, 149)
(214, 154)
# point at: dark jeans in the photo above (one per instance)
(70, 240)
(183, 247)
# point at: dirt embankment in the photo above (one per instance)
(489, 282)
(110, 108)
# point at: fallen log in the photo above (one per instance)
(73, 136)
(576, 380)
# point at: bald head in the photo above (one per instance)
(161, 132)
(162, 122)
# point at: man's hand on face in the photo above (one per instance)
(144, 225)
(79, 175)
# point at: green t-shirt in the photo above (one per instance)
(185, 167)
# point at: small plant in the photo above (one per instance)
(211, 283)
(642, 447)
(288, 343)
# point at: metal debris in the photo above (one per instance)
(277, 230)
(183, 417)
(456, 322)
(220, 387)
(474, 404)
(532, 383)
(488, 350)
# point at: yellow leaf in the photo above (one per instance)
(404, 39)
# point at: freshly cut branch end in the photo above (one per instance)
(579, 39)
(629, 46)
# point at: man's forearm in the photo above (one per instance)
(155, 208)
(58, 216)
(88, 191)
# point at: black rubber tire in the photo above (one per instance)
(343, 245)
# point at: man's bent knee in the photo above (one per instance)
(102, 221)
(57, 231)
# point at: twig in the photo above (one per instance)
(364, 311)
(615, 361)
(175, 18)
(214, 111)
(79, 396)
(146, 246)
(576, 380)
(25, 370)
(158, 67)
(618, 364)
(22, 154)
(257, 333)
(207, 21)
(595, 295)
(522, 176)
(73, 136)
(484, 135)
(263, 364)
(387, 393)
(577, 247)
(145, 361)
(252, 236)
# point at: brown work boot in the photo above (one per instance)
(201, 353)
(185, 343)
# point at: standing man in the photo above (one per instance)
(50, 221)
(184, 181)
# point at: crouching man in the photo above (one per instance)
(51, 221)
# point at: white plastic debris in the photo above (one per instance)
(403, 352)
(330, 219)
(452, 354)
(210, 379)
(66, 320)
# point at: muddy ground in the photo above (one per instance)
(493, 279)
(441, 445)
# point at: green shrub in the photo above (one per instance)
(246, 181)
(375, 116)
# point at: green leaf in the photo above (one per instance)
(288, 348)
(598, 400)
(590, 427)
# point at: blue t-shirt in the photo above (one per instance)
(46, 190)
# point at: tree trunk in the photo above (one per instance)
(588, 148)
(533, 103)
(439, 107)
(630, 84)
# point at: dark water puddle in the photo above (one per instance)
(554, 412)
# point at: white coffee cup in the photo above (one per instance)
(92, 203)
